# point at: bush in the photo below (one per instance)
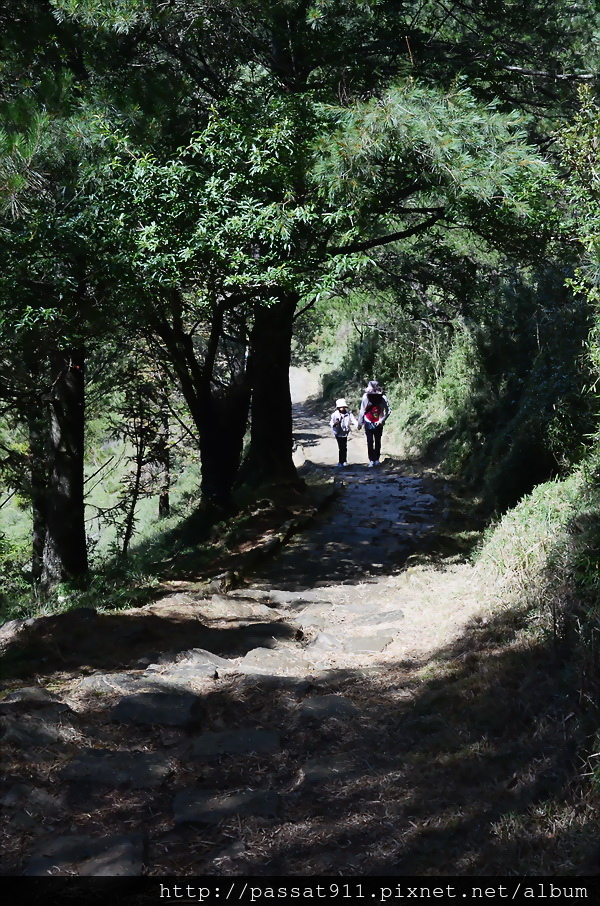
(545, 554)
(15, 583)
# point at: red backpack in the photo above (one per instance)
(374, 408)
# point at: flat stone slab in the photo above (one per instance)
(371, 555)
(183, 673)
(32, 696)
(109, 683)
(84, 856)
(368, 533)
(34, 799)
(426, 500)
(360, 607)
(323, 642)
(382, 617)
(148, 708)
(271, 662)
(211, 807)
(377, 642)
(25, 731)
(9, 631)
(324, 706)
(136, 770)
(81, 617)
(245, 741)
(295, 599)
(316, 614)
(247, 594)
(272, 632)
(202, 656)
(175, 600)
(224, 607)
(155, 678)
(336, 767)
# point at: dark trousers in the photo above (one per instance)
(342, 448)
(374, 441)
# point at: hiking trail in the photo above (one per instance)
(284, 727)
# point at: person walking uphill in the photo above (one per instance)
(374, 412)
(342, 421)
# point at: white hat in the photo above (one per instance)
(374, 387)
(341, 404)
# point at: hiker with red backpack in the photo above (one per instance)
(374, 411)
(341, 423)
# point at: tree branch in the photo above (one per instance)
(306, 308)
(385, 240)
(564, 76)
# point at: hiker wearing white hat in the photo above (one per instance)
(374, 412)
(342, 421)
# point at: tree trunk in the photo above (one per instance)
(233, 406)
(164, 464)
(220, 418)
(38, 458)
(134, 497)
(65, 552)
(269, 459)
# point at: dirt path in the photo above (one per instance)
(359, 550)
(336, 716)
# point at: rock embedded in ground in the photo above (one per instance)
(148, 708)
(180, 674)
(248, 594)
(325, 642)
(255, 633)
(295, 599)
(272, 662)
(317, 614)
(336, 767)
(35, 800)
(84, 856)
(226, 607)
(243, 741)
(46, 725)
(31, 696)
(212, 806)
(368, 533)
(36, 733)
(109, 683)
(379, 618)
(360, 607)
(51, 708)
(135, 770)
(202, 656)
(324, 706)
(368, 643)
(9, 632)
(155, 678)
(191, 665)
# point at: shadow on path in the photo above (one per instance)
(379, 518)
(467, 773)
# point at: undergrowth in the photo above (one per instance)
(494, 387)
(544, 557)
